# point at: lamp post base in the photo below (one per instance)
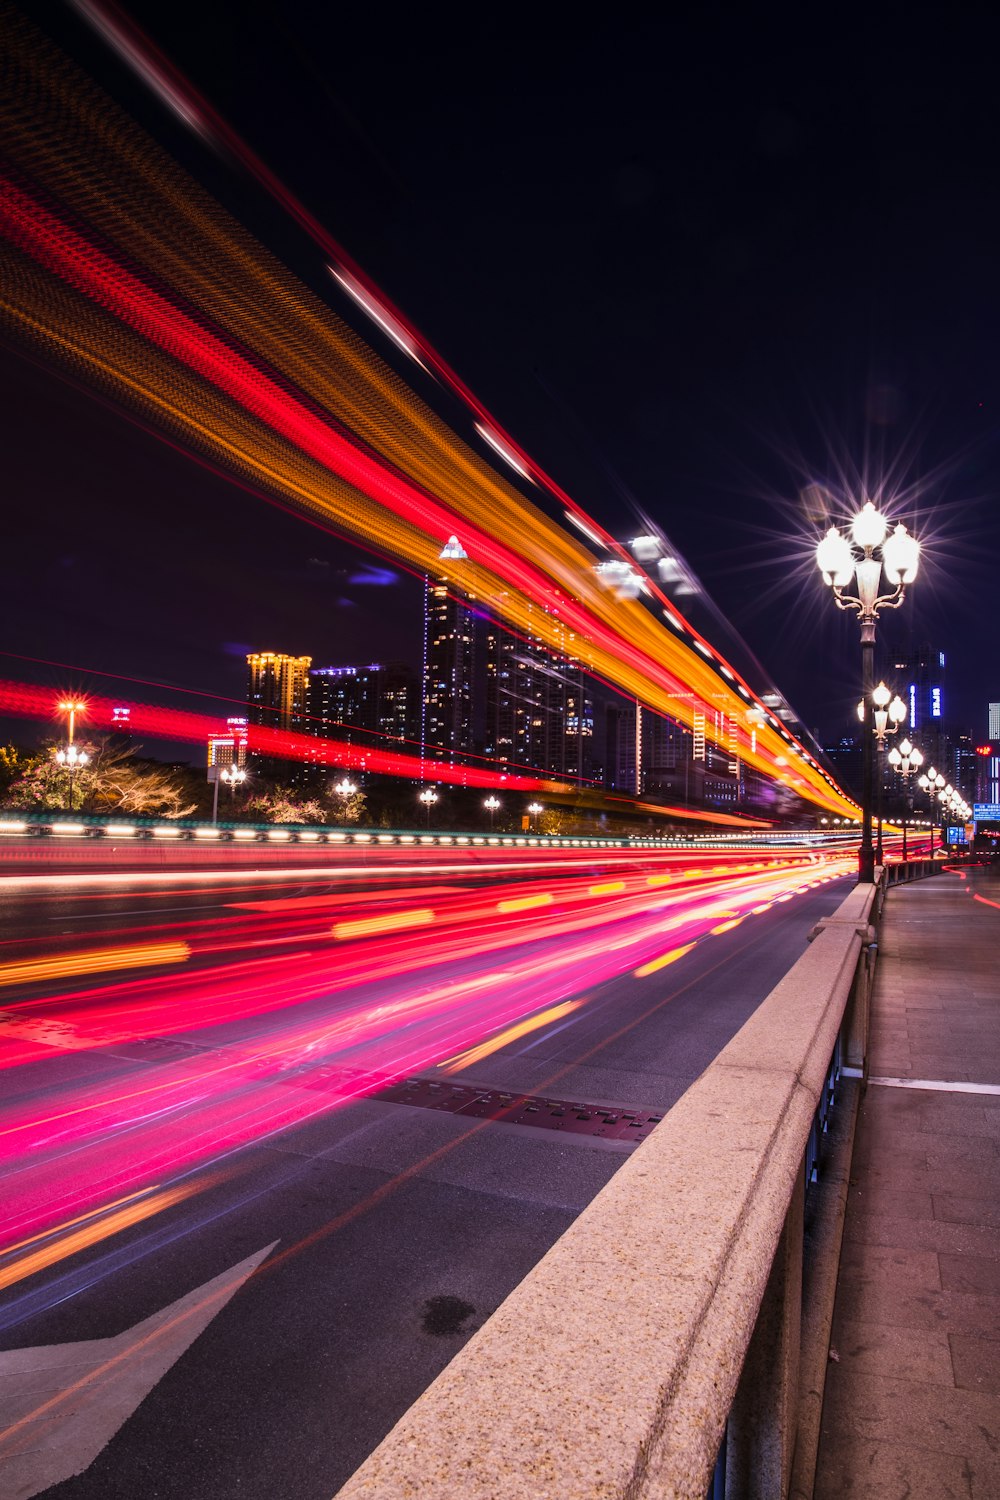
(866, 866)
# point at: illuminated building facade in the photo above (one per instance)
(229, 748)
(993, 759)
(648, 754)
(364, 704)
(278, 690)
(278, 698)
(449, 665)
(539, 712)
(919, 678)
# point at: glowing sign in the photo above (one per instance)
(935, 703)
(913, 705)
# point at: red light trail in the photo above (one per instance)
(298, 1005)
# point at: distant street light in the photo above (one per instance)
(535, 810)
(907, 759)
(428, 797)
(72, 758)
(492, 804)
(883, 711)
(837, 557)
(233, 776)
(72, 707)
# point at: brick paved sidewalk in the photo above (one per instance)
(912, 1405)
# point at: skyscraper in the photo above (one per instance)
(364, 705)
(278, 698)
(278, 690)
(449, 663)
(920, 683)
(539, 711)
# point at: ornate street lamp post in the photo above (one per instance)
(933, 784)
(72, 758)
(428, 797)
(71, 707)
(837, 557)
(883, 711)
(491, 805)
(535, 810)
(906, 760)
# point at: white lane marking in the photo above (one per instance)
(63, 1403)
(937, 1085)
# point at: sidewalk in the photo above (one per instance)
(912, 1403)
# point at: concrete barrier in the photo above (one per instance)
(671, 1311)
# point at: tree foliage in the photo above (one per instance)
(114, 780)
(16, 762)
(282, 804)
(349, 808)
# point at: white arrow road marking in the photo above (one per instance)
(60, 1404)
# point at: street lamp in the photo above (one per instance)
(491, 804)
(233, 776)
(535, 810)
(907, 760)
(883, 711)
(72, 758)
(837, 557)
(428, 797)
(72, 707)
(933, 784)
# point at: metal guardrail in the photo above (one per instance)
(674, 1341)
(30, 825)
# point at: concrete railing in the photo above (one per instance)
(668, 1328)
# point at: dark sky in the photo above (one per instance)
(691, 264)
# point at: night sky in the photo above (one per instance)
(692, 265)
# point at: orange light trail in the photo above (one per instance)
(493, 1044)
(177, 312)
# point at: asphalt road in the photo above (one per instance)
(380, 1234)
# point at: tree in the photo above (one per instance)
(282, 804)
(16, 762)
(112, 781)
(347, 807)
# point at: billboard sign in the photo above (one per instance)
(986, 812)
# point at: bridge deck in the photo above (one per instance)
(912, 1403)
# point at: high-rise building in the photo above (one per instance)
(993, 759)
(539, 711)
(648, 753)
(278, 698)
(920, 683)
(278, 690)
(365, 705)
(344, 699)
(446, 730)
